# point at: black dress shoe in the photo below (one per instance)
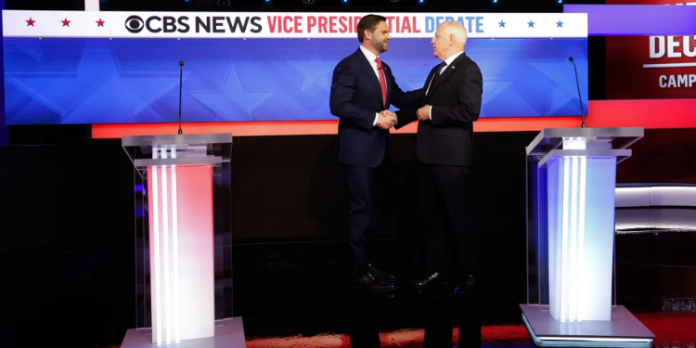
(381, 275)
(370, 283)
(468, 287)
(432, 279)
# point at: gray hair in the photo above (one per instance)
(456, 29)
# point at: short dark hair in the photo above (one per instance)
(369, 22)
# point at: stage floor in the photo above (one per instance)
(297, 295)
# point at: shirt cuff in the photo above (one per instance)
(430, 113)
(376, 118)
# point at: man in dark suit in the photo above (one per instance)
(444, 146)
(362, 90)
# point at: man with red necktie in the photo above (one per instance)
(362, 89)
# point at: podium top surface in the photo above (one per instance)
(177, 139)
(178, 149)
(552, 138)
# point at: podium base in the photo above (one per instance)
(228, 333)
(624, 330)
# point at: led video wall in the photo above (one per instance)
(124, 67)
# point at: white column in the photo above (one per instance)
(164, 250)
(155, 250)
(182, 270)
(581, 235)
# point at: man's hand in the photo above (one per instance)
(424, 113)
(386, 120)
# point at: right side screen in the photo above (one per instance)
(651, 67)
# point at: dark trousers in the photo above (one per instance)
(366, 191)
(448, 218)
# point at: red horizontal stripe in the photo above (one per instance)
(649, 114)
(242, 129)
(662, 113)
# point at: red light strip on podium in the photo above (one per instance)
(181, 253)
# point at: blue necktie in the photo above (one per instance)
(437, 74)
(439, 68)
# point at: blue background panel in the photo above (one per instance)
(92, 81)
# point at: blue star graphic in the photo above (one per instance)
(502, 24)
(313, 71)
(559, 24)
(87, 85)
(563, 90)
(531, 24)
(232, 101)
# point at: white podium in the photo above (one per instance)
(183, 242)
(571, 181)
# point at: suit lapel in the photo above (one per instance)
(367, 69)
(446, 73)
(428, 83)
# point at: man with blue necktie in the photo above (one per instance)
(445, 148)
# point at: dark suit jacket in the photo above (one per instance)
(356, 98)
(456, 100)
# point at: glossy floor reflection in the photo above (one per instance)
(679, 329)
(299, 296)
(440, 312)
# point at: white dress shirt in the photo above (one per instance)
(371, 57)
(448, 61)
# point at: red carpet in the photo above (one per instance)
(673, 330)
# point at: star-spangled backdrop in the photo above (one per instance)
(91, 81)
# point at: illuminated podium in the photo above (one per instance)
(571, 181)
(183, 242)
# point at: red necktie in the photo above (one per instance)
(382, 81)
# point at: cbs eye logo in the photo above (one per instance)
(134, 24)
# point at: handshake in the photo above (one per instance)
(386, 119)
